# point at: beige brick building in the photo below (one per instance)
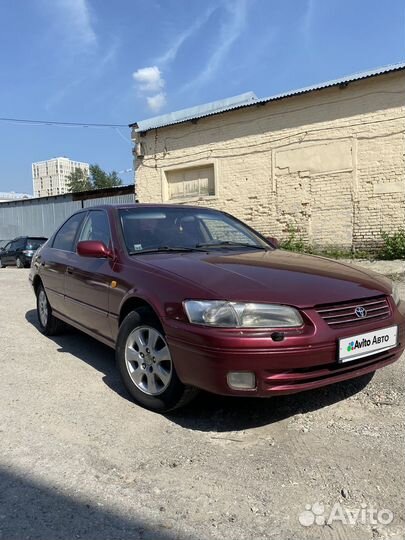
(328, 160)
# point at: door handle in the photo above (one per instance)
(69, 270)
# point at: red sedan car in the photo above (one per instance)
(192, 298)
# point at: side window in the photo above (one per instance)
(221, 231)
(96, 227)
(65, 237)
(12, 246)
(20, 244)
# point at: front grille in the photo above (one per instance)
(341, 315)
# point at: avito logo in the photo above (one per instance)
(353, 345)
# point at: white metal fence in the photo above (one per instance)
(40, 217)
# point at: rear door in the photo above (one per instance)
(54, 260)
(18, 248)
(88, 279)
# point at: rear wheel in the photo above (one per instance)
(2, 265)
(48, 324)
(146, 366)
(19, 263)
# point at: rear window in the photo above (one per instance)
(34, 243)
(65, 237)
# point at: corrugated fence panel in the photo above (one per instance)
(118, 199)
(34, 217)
(40, 217)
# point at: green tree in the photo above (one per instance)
(101, 179)
(98, 179)
(78, 181)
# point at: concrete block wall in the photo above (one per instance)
(330, 163)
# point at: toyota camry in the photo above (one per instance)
(191, 298)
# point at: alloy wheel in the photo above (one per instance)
(43, 308)
(148, 360)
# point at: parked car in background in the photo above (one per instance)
(191, 297)
(19, 251)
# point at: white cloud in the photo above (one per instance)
(230, 32)
(149, 79)
(174, 48)
(75, 18)
(93, 73)
(308, 19)
(156, 102)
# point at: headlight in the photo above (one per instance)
(241, 315)
(395, 294)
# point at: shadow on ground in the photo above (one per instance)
(87, 349)
(208, 412)
(37, 511)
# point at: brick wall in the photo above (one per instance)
(330, 162)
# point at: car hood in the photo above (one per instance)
(271, 276)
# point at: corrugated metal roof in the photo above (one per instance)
(77, 196)
(196, 112)
(249, 99)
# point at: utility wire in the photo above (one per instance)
(66, 124)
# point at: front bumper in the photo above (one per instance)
(203, 357)
(26, 260)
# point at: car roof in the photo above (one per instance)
(147, 205)
(29, 236)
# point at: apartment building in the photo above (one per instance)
(50, 177)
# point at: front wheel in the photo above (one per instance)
(19, 263)
(48, 324)
(146, 366)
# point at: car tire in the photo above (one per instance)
(19, 263)
(2, 265)
(48, 324)
(145, 364)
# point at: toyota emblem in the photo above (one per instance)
(360, 312)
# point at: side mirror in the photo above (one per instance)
(273, 241)
(95, 249)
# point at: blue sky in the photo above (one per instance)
(117, 62)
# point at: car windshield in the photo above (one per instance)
(149, 230)
(34, 243)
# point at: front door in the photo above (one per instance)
(5, 254)
(88, 279)
(54, 260)
(11, 253)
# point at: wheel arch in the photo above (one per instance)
(36, 282)
(133, 303)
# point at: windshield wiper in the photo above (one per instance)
(164, 249)
(227, 243)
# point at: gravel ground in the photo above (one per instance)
(79, 460)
